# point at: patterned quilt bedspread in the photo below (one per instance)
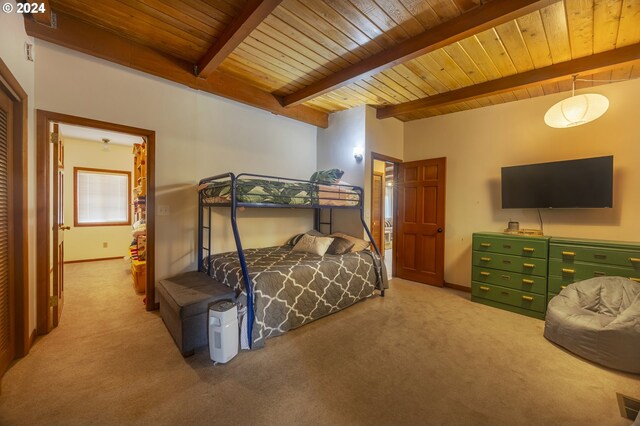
(293, 288)
(276, 192)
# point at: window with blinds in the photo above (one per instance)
(102, 197)
(5, 320)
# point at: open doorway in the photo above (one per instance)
(383, 217)
(95, 190)
(104, 197)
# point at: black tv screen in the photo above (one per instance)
(584, 183)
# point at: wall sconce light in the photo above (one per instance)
(358, 154)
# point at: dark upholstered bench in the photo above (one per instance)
(184, 302)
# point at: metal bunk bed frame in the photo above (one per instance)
(233, 203)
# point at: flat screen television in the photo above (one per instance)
(584, 183)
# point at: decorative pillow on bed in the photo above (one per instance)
(340, 246)
(311, 244)
(327, 176)
(294, 240)
(358, 244)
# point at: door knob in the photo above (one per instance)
(440, 229)
(64, 228)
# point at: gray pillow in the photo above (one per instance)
(294, 240)
(359, 244)
(311, 244)
(340, 246)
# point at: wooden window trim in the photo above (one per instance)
(75, 197)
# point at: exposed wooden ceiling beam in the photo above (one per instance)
(77, 35)
(42, 13)
(476, 20)
(251, 15)
(552, 73)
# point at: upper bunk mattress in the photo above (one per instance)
(262, 191)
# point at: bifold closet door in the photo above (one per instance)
(7, 286)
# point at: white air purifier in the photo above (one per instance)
(223, 331)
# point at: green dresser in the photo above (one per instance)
(573, 259)
(510, 272)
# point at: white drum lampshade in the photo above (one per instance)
(576, 110)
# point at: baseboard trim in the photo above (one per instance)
(93, 260)
(32, 340)
(458, 287)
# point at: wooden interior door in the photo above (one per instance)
(7, 282)
(420, 226)
(377, 210)
(57, 291)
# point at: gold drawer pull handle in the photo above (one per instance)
(485, 259)
(529, 249)
(485, 244)
(635, 279)
(505, 277)
(527, 298)
(563, 287)
(568, 253)
(600, 256)
(483, 288)
(526, 281)
(568, 271)
(485, 274)
(529, 265)
(634, 259)
(599, 274)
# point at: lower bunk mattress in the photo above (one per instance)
(291, 289)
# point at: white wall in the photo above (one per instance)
(13, 39)
(358, 127)
(477, 143)
(87, 242)
(335, 151)
(384, 137)
(197, 135)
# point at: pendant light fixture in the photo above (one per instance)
(576, 110)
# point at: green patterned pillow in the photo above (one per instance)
(327, 176)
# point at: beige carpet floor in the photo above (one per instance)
(420, 356)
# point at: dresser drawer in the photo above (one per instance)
(579, 271)
(575, 253)
(528, 266)
(508, 296)
(557, 284)
(516, 246)
(532, 283)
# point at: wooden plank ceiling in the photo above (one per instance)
(409, 58)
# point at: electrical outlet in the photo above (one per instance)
(105, 244)
(163, 210)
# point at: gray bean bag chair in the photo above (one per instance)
(598, 319)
